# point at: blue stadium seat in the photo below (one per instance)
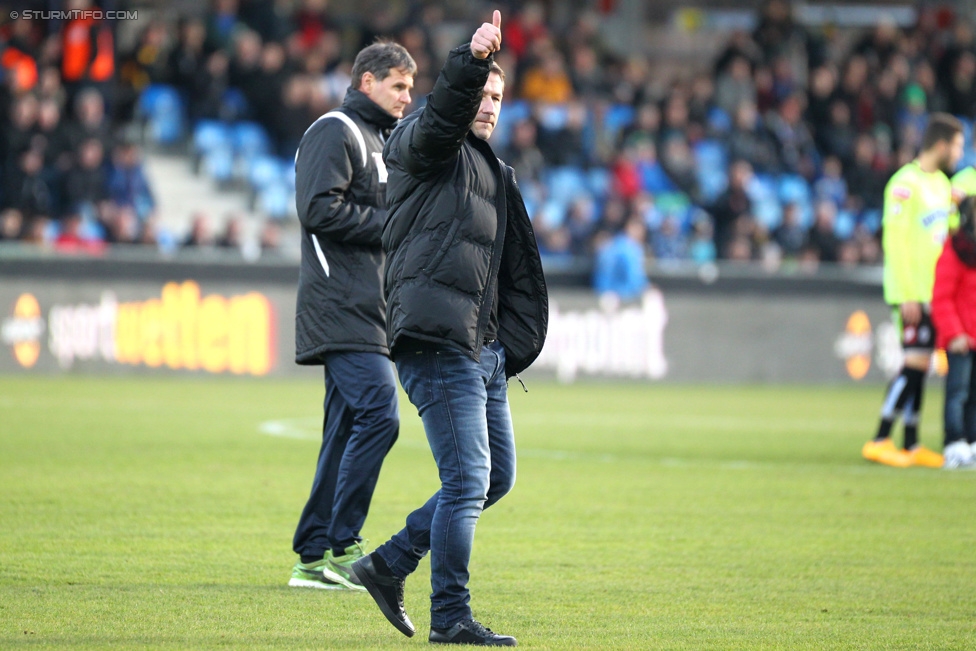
(553, 116)
(250, 139)
(233, 105)
(871, 220)
(565, 184)
(765, 200)
(511, 115)
(844, 224)
(275, 200)
(711, 169)
(218, 164)
(263, 170)
(792, 188)
(209, 135)
(719, 121)
(288, 166)
(162, 107)
(599, 182)
(618, 117)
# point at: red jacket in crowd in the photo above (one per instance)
(954, 296)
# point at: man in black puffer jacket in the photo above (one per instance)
(466, 309)
(340, 320)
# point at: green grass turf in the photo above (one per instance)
(155, 513)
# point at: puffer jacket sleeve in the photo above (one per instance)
(436, 137)
(945, 315)
(324, 173)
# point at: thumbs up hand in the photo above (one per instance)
(488, 38)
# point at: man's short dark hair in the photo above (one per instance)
(941, 127)
(380, 58)
(496, 69)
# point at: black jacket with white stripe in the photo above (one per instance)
(340, 188)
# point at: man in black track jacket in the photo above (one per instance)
(340, 319)
(466, 309)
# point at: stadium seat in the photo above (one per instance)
(844, 224)
(599, 182)
(618, 117)
(218, 164)
(871, 220)
(719, 121)
(566, 184)
(250, 139)
(553, 116)
(275, 200)
(513, 113)
(234, 106)
(711, 161)
(162, 109)
(209, 135)
(263, 170)
(766, 206)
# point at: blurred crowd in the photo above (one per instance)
(777, 151)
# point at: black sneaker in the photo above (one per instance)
(386, 590)
(469, 631)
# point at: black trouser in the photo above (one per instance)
(361, 424)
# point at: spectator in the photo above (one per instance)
(732, 204)
(71, 239)
(25, 188)
(566, 144)
(797, 152)
(86, 184)
(11, 224)
(581, 221)
(748, 141)
(620, 263)
(701, 248)
(523, 154)
(790, 235)
(735, 86)
(201, 232)
(17, 134)
(187, 57)
(838, 136)
(548, 81)
(127, 182)
(668, 242)
(831, 185)
(865, 179)
(270, 239)
(90, 122)
(821, 236)
(233, 237)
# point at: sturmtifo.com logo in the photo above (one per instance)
(23, 330)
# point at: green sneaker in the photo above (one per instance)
(338, 569)
(310, 575)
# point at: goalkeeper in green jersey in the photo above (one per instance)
(917, 206)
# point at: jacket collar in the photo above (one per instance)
(357, 102)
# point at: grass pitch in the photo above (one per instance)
(158, 513)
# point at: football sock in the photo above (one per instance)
(913, 409)
(312, 559)
(899, 391)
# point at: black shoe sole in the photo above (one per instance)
(405, 627)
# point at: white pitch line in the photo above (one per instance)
(307, 429)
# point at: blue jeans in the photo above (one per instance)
(959, 416)
(361, 423)
(464, 408)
